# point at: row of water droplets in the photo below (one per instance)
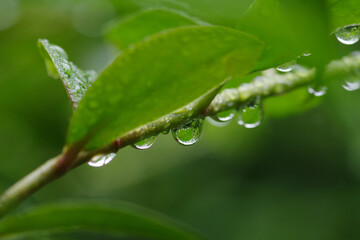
(349, 36)
(250, 116)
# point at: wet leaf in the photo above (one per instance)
(159, 76)
(75, 81)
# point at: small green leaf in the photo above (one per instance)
(136, 28)
(344, 13)
(75, 81)
(159, 76)
(115, 219)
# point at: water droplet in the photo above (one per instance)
(252, 115)
(166, 131)
(145, 143)
(317, 91)
(287, 67)
(349, 35)
(189, 133)
(306, 54)
(351, 84)
(225, 116)
(101, 160)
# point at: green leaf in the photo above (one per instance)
(344, 13)
(75, 81)
(159, 76)
(289, 28)
(115, 219)
(136, 28)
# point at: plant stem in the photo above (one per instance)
(268, 84)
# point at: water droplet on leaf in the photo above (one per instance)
(101, 160)
(145, 143)
(287, 67)
(252, 114)
(349, 35)
(189, 133)
(317, 91)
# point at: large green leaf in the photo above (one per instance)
(289, 28)
(159, 76)
(75, 81)
(136, 28)
(116, 219)
(344, 13)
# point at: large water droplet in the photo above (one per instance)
(146, 143)
(349, 35)
(317, 91)
(252, 114)
(101, 160)
(225, 116)
(351, 84)
(287, 67)
(189, 133)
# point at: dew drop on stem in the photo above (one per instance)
(101, 160)
(348, 35)
(317, 91)
(252, 114)
(351, 84)
(145, 143)
(287, 67)
(189, 133)
(225, 116)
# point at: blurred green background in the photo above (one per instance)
(294, 177)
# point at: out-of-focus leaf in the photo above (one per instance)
(344, 13)
(289, 28)
(75, 81)
(115, 219)
(159, 76)
(226, 12)
(136, 28)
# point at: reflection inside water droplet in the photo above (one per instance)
(317, 91)
(101, 160)
(349, 35)
(287, 67)
(145, 144)
(252, 114)
(189, 133)
(225, 116)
